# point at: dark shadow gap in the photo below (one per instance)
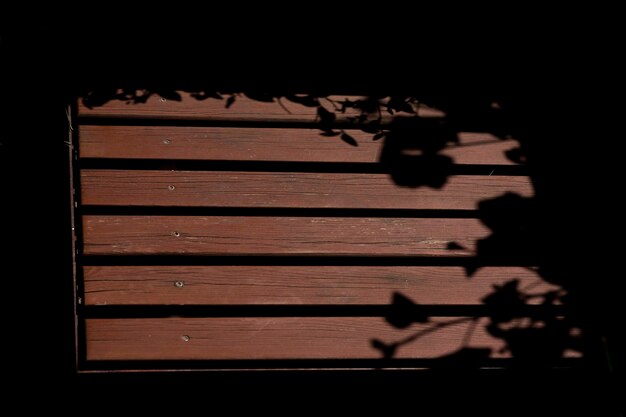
(201, 311)
(460, 124)
(276, 212)
(287, 166)
(197, 122)
(425, 364)
(294, 260)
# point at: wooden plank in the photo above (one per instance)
(243, 109)
(188, 108)
(303, 285)
(263, 144)
(287, 189)
(223, 143)
(272, 338)
(239, 235)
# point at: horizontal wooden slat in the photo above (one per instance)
(271, 338)
(211, 109)
(238, 235)
(303, 285)
(243, 109)
(287, 189)
(263, 144)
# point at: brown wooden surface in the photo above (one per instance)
(296, 285)
(239, 235)
(287, 189)
(229, 135)
(263, 144)
(243, 109)
(271, 338)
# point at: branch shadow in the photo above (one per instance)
(538, 328)
(522, 228)
(523, 232)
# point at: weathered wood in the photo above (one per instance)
(287, 189)
(239, 235)
(208, 131)
(242, 109)
(272, 338)
(304, 285)
(263, 144)
(188, 108)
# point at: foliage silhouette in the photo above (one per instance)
(522, 229)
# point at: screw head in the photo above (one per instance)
(179, 284)
(176, 234)
(171, 187)
(185, 338)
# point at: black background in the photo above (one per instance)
(565, 78)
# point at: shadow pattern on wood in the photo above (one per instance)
(417, 134)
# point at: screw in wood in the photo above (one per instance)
(166, 141)
(162, 100)
(171, 187)
(179, 284)
(177, 234)
(185, 338)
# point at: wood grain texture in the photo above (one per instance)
(243, 109)
(263, 144)
(287, 189)
(239, 235)
(188, 108)
(296, 285)
(228, 135)
(271, 338)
